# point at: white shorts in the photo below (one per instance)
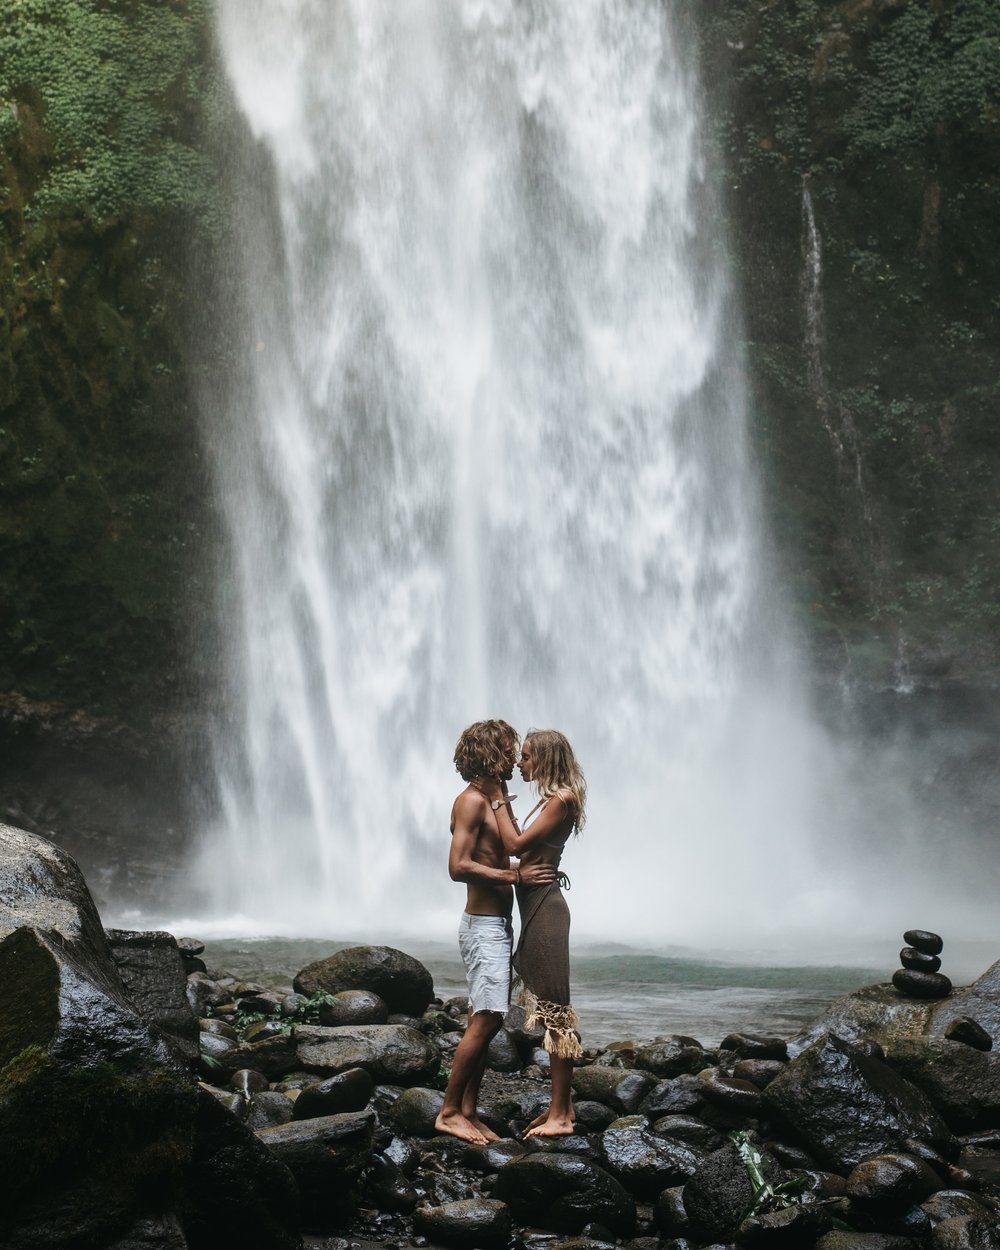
(486, 943)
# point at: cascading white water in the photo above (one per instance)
(493, 463)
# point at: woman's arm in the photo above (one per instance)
(548, 820)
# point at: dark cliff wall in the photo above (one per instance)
(881, 442)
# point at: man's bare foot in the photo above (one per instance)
(457, 1125)
(553, 1126)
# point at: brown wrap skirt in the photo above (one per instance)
(541, 961)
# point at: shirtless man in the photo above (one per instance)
(485, 756)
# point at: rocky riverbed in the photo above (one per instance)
(147, 1098)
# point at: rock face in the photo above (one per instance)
(402, 982)
(393, 1053)
(151, 967)
(963, 1083)
(847, 1107)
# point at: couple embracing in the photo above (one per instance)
(485, 837)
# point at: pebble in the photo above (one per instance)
(910, 957)
(925, 941)
(969, 1031)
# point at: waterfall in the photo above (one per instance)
(492, 460)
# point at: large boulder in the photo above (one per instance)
(847, 1107)
(564, 1193)
(877, 1012)
(391, 1053)
(963, 1083)
(96, 1116)
(151, 967)
(401, 981)
(327, 1156)
(465, 1224)
(980, 1001)
(644, 1162)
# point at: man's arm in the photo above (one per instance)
(470, 812)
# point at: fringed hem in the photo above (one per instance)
(561, 1024)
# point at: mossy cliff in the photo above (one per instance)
(106, 195)
(861, 143)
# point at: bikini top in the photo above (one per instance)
(555, 846)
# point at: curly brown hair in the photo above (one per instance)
(486, 749)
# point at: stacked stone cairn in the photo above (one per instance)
(919, 976)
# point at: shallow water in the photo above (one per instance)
(624, 993)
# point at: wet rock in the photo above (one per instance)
(401, 981)
(719, 1192)
(494, 1155)
(674, 1097)
(948, 1203)
(908, 1222)
(791, 1156)
(473, 1222)
(788, 1229)
(910, 957)
(844, 1240)
(579, 1146)
(755, 1046)
(967, 1232)
(644, 1162)
(962, 1083)
(892, 1180)
(274, 1055)
(875, 1011)
(970, 1032)
(540, 1060)
(354, 1007)
(293, 1005)
(261, 1029)
(503, 1055)
(731, 1094)
(386, 1188)
(387, 1052)
(152, 971)
(669, 1216)
(980, 1000)
(247, 1082)
(692, 1132)
(671, 1056)
(236, 1193)
(404, 1154)
(189, 947)
(924, 941)
(921, 984)
(207, 1025)
(234, 1103)
(204, 994)
(269, 1109)
(348, 1091)
(846, 1107)
(618, 1088)
(593, 1117)
(327, 1157)
(759, 1072)
(415, 1111)
(215, 1052)
(564, 1194)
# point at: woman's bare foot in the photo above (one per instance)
(551, 1126)
(543, 1118)
(456, 1125)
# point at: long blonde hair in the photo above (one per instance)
(554, 768)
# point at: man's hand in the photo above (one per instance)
(537, 874)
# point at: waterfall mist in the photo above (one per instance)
(492, 460)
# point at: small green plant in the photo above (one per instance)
(766, 1197)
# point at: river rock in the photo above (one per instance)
(593, 1117)
(717, 1195)
(348, 1091)
(502, 1054)
(401, 981)
(204, 994)
(494, 1155)
(961, 1082)
(924, 941)
(690, 1131)
(644, 1162)
(269, 1109)
(892, 1180)
(386, 1188)
(671, 1056)
(326, 1156)
(969, 1032)
(472, 1222)
(669, 1215)
(275, 1056)
(841, 1239)
(967, 1232)
(980, 1000)
(921, 984)
(415, 1111)
(247, 1082)
(208, 1025)
(388, 1052)
(947, 1203)
(731, 1094)
(910, 957)
(790, 1228)
(153, 973)
(755, 1046)
(846, 1107)
(564, 1194)
(354, 1007)
(759, 1072)
(674, 1097)
(620, 1088)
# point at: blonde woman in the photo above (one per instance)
(542, 956)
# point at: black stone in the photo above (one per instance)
(754, 1046)
(671, 1056)
(970, 1032)
(923, 940)
(718, 1194)
(645, 1162)
(153, 973)
(348, 1091)
(563, 1193)
(466, 1224)
(921, 984)
(910, 957)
